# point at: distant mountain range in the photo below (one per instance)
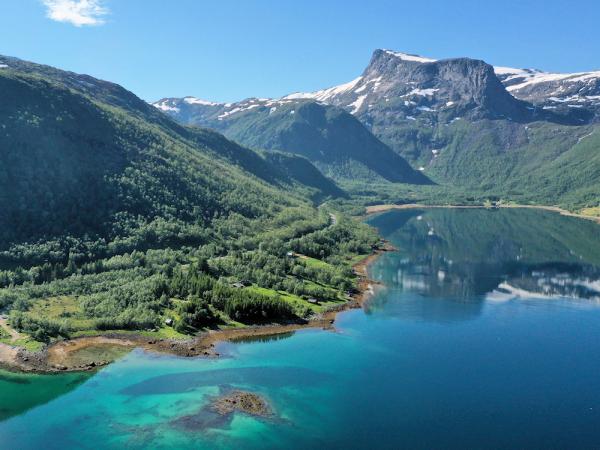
(414, 86)
(458, 121)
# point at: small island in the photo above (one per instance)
(242, 401)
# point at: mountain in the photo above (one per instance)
(410, 86)
(519, 134)
(553, 91)
(399, 94)
(459, 121)
(99, 90)
(85, 158)
(462, 87)
(331, 138)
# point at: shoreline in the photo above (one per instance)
(376, 209)
(62, 356)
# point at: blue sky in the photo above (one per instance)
(227, 50)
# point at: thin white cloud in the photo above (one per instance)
(76, 12)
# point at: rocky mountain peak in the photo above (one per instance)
(414, 86)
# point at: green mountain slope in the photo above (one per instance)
(300, 169)
(73, 163)
(286, 171)
(542, 162)
(329, 137)
(573, 177)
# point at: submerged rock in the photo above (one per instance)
(219, 413)
(246, 402)
(202, 420)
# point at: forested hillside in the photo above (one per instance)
(112, 216)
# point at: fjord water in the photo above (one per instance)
(485, 334)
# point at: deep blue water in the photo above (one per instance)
(484, 334)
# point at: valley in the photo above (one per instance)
(142, 228)
(299, 225)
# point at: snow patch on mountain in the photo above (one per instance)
(166, 105)
(375, 81)
(324, 94)
(536, 77)
(198, 101)
(409, 57)
(250, 104)
(356, 105)
(528, 77)
(552, 90)
(421, 92)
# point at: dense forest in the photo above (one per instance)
(244, 275)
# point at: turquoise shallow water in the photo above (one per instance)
(486, 335)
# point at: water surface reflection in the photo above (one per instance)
(474, 256)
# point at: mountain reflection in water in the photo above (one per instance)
(474, 256)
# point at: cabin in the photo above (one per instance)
(237, 285)
(290, 255)
(169, 322)
(313, 301)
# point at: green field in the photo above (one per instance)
(299, 304)
(315, 263)
(592, 212)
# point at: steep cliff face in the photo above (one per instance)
(411, 86)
